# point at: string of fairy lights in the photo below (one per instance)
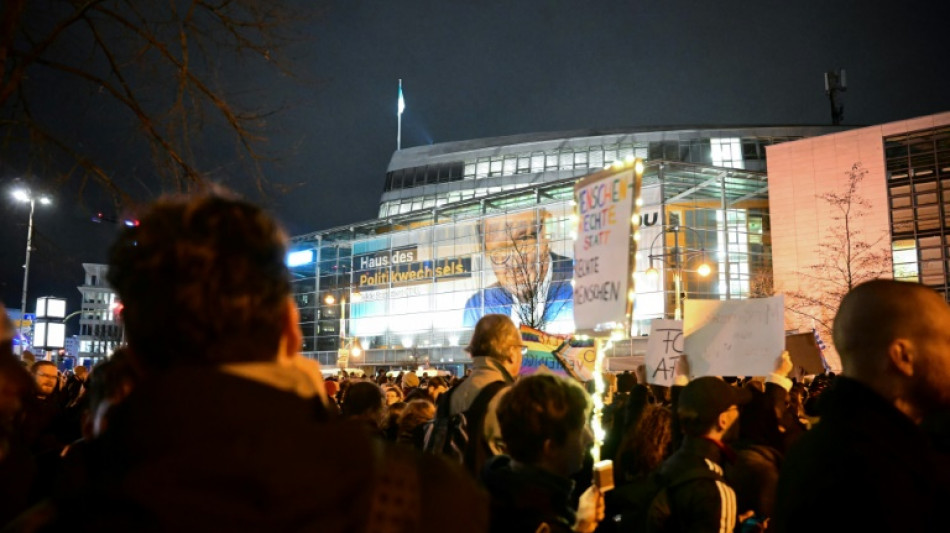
(620, 331)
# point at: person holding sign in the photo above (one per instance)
(868, 466)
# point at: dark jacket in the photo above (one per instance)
(759, 452)
(523, 498)
(865, 467)
(754, 476)
(197, 449)
(701, 505)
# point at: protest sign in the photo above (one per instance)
(663, 349)
(734, 337)
(602, 251)
(540, 347)
(561, 354)
(806, 357)
(579, 356)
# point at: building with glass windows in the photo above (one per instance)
(905, 187)
(474, 227)
(100, 332)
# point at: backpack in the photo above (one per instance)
(645, 505)
(461, 437)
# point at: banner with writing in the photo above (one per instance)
(579, 356)
(402, 267)
(734, 337)
(541, 348)
(664, 347)
(602, 251)
(561, 354)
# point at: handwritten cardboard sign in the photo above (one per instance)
(734, 337)
(664, 347)
(806, 357)
(602, 251)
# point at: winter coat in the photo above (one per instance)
(865, 467)
(523, 498)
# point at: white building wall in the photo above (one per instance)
(800, 171)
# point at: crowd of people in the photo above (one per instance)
(213, 421)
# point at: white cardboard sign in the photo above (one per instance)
(663, 349)
(602, 250)
(734, 337)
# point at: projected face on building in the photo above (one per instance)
(533, 284)
(519, 252)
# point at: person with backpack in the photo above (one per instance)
(465, 426)
(694, 496)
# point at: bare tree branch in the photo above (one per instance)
(528, 269)
(159, 62)
(846, 258)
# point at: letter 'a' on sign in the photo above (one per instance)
(602, 251)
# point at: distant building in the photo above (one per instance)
(99, 331)
(72, 346)
(410, 284)
(23, 328)
(906, 185)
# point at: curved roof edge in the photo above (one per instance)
(408, 157)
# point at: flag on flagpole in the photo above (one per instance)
(821, 344)
(821, 348)
(402, 103)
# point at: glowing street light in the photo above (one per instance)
(25, 196)
(677, 260)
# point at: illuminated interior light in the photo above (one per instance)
(298, 258)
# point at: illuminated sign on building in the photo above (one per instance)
(299, 258)
(416, 272)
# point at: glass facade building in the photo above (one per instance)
(430, 176)
(462, 224)
(918, 190)
(100, 333)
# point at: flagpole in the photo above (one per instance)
(399, 106)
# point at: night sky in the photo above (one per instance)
(474, 69)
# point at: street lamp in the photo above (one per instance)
(677, 258)
(25, 195)
(348, 347)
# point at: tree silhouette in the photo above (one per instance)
(846, 257)
(156, 69)
(527, 271)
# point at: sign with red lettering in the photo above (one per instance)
(602, 251)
